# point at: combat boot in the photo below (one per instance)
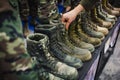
(64, 38)
(102, 16)
(98, 28)
(95, 41)
(108, 10)
(38, 46)
(55, 46)
(106, 14)
(80, 53)
(89, 29)
(99, 21)
(76, 41)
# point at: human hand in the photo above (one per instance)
(67, 8)
(68, 17)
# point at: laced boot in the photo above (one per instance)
(80, 53)
(102, 16)
(95, 41)
(99, 21)
(37, 46)
(89, 29)
(110, 11)
(98, 28)
(55, 46)
(76, 41)
(106, 14)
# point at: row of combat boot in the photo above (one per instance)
(56, 60)
(61, 52)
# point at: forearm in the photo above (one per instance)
(85, 5)
(78, 9)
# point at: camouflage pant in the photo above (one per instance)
(15, 62)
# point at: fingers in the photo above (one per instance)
(67, 25)
(66, 21)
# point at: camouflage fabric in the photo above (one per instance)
(24, 9)
(15, 62)
(33, 8)
(67, 3)
(24, 13)
(47, 9)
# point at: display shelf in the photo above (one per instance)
(103, 51)
(104, 56)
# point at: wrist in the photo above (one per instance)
(78, 9)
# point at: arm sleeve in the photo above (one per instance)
(67, 3)
(88, 4)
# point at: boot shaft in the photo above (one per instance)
(107, 14)
(88, 28)
(48, 29)
(76, 40)
(104, 17)
(85, 37)
(37, 45)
